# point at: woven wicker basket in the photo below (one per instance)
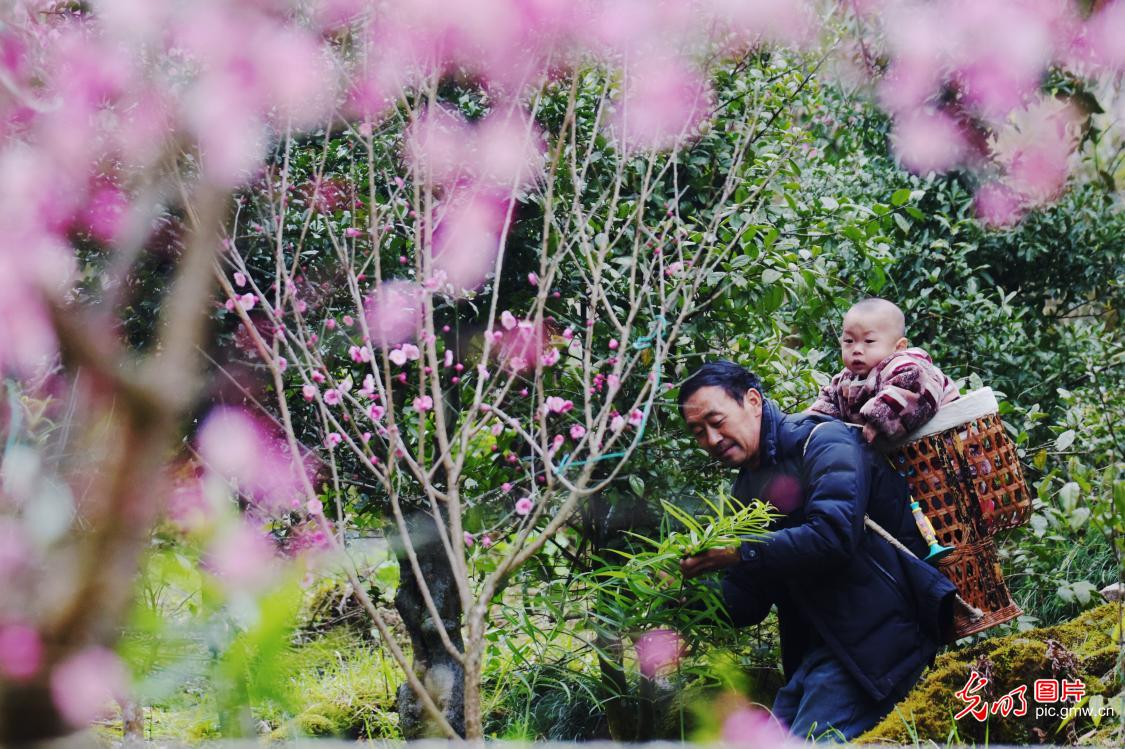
(975, 570)
(964, 471)
(966, 476)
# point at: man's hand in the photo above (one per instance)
(709, 561)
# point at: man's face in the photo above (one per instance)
(727, 429)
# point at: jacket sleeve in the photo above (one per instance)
(837, 478)
(827, 403)
(908, 397)
(748, 597)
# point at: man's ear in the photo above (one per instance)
(902, 344)
(753, 400)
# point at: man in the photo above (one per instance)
(859, 620)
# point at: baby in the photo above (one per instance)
(888, 388)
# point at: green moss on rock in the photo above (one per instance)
(1088, 653)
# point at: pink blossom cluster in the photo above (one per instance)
(961, 68)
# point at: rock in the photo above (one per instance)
(1082, 649)
(1114, 592)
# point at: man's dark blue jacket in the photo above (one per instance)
(834, 581)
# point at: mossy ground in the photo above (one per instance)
(1087, 649)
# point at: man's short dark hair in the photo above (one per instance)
(733, 378)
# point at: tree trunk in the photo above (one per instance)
(436, 668)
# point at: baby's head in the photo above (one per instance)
(873, 330)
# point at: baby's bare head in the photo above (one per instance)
(873, 330)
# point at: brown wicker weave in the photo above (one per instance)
(969, 483)
(975, 571)
(968, 480)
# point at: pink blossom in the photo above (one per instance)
(555, 404)
(332, 397)
(394, 312)
(664, 100)
(330, 323)
(658, 651)
(506, 487)
(486, 541)
(469, 540)
(497, 429)
(351, 232)
(928, 142)
(467, 240)
(318, 377)
(754, 727)
(248, 301)
(242, 558)
(241, 448)
(447, 361)
(508, 320)
(524, 506)
(188, 507)
(568, 334)
(412, 352)
(309, 392)
(577, 432)
(613, 381)
(349, 320)
(423, 403)
(549, 358)
(617, 423)
(365, 438)
(997, 205)
(397, 357)
(314, 507)
(533, 278)
(21, 652)
(556, 443)
(375, 412)
(613, 344)
(84, 685)
(359, 354)
(1105, 30)
(368, 389)
(435, 145)
(636, 417)
(332, 439)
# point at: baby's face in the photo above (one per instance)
(868, 339)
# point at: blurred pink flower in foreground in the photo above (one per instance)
(658, 652)
(394, 313)
(998, 205)
(928, 142)
(241, 448)
(467, 241)
(1106, 33)
(662, 102)
(84, 685)
(21, 651)
(1035, 147)
(503, 151)
(242, 558)
(753, 727)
